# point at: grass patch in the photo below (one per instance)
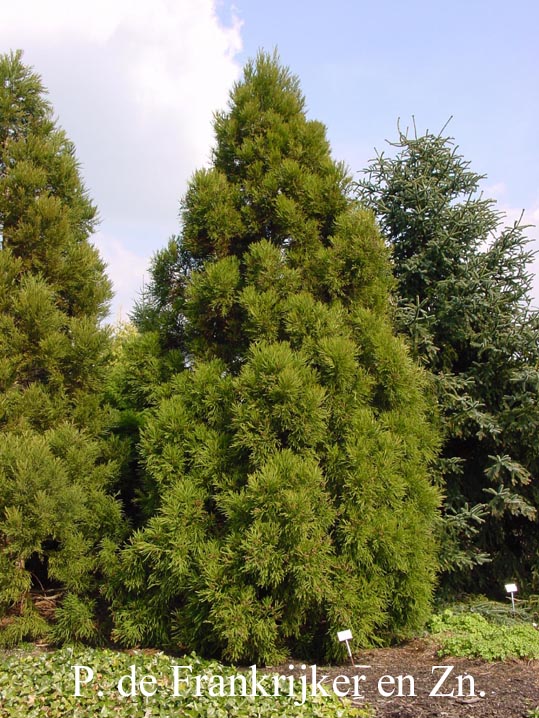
(42, 684)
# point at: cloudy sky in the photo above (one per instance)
(135, 82)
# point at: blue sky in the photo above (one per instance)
(135, 82)
(363, 65)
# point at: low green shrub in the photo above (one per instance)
(471, 635)
(495, 611)
(74, 621)
(28, 626)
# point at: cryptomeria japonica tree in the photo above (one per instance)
(289, 460)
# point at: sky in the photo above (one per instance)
(135, 84)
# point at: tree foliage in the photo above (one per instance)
(55, 470)
(463, 285)
(290, 459)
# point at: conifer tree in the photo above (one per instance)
(55, 469)
(290, 458)
(463, 286)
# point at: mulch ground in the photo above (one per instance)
(503, 690)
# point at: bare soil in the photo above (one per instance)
(502, 690)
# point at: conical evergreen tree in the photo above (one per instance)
(55, 471)
(290, 459)
(464, 299)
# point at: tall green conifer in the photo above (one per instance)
(289, 460)
(464, 299)
(55, 471)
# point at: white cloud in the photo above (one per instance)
(127, 269)
(135, 84)
(495, 190)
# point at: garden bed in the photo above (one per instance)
(39, 683)
(511, 687)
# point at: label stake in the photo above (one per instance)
(346, 637)
(512, 589)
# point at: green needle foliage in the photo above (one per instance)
(464, 301)
(289, 461)
(55, 469)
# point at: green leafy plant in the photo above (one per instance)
(494, 611)
(470, 635)
(43, 684)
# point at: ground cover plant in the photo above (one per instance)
(38, 684)
(470, 634)
(524, 611)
